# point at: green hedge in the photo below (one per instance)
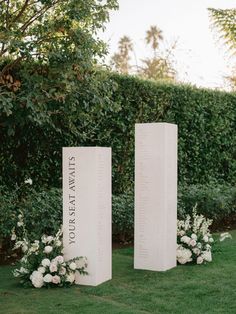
(43, 210)
(105, 114)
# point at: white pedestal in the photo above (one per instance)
(155, 196)
(87, 210)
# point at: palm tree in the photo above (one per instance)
(153, 37)
(120, 60)
(125, 45)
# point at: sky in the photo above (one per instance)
(200, 58)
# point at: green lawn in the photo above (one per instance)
(186, 289)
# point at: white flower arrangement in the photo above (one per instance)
(194, 240)
(43, 264)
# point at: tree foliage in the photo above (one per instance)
(225, 22)
(50, 46)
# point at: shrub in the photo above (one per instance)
(42, 211)
(215, 201)
(8, 211)
(123, 216)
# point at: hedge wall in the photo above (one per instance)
(105, 115)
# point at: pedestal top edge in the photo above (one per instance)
(87, 147)
(156, 124)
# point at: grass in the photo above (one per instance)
(185, 289)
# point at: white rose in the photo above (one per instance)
(62, 271)
(20, 223)
(196, 251)
(72, 266)
(199, 260)
(16, 273)
(24, 259)
(13, 237)
(37, 279)
(81, 263)
(49, 239)
(48, 249)
(199, 245)
(23, 270)
(70, 277)
(41, 269)
(194, 236)
(211, 240)
(192, 242)
(56, 279)
(44, 239)
(24, 247)
(18, 244)
(182, 233)
(47, 278)
(206, 255)
(45, 262)
(205, 238)
(58, 243)
(34, 247)
(53, 267)
(29, 181)
(59, 259)
(185, 239)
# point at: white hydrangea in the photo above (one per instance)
(183, 255)
(185, 239)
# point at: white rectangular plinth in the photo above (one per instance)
(87, 210)
(155, 196)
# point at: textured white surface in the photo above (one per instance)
(87, 210)
(155, 196)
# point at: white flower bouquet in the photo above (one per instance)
(194, 240)
(43, 263)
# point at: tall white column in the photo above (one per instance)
(155, 196)
(87, 210)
